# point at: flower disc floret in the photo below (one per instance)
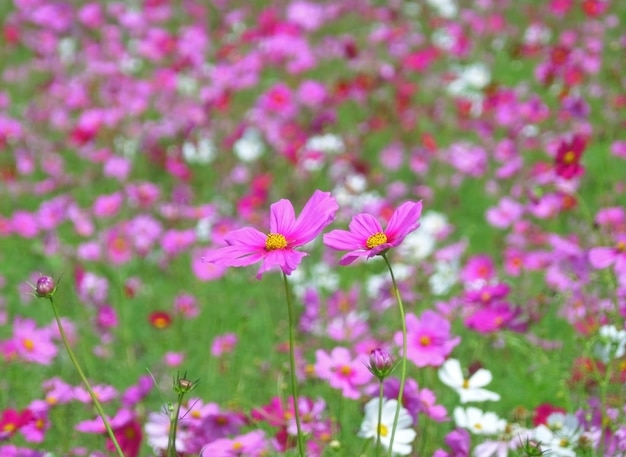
(275, 241)
(376, 240)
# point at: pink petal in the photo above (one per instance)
(246, 236)
(282, 217)
(342, 240)
(404, 220)
(601, 257)
(364, 225)
(285, 259)
(317, 213)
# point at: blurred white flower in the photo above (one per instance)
(445, 8)
(445, 277)
(371, 428)
(249, 147)
(328, 143)
(478, 422)
(470, 80)
(611, 344)
(202, 153)
(451, 374)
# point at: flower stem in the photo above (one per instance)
(292, 366)
(171, 440)
(404, 351)
(92, 394)
(380, 416)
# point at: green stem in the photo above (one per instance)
(171, 441)
(92, 394)
(404, 351)
(292, 365)
(380, 416)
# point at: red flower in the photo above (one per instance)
(567, 161)
(543, 411)
(160, 319)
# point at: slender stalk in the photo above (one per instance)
(171, 440)
(292, 366)
(94, 398)
(404, 358)
(380, 416)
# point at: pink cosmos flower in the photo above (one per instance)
(366, 237)
(429, 339)
(253, 444)
(602, 257)
(223, 344)
(247, 245)
(342, 371)
(33, 344)
(126, 428)
(34, 431)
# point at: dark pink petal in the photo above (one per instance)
(282, 217)
(601, 257)
(317, 213)
(404, 220)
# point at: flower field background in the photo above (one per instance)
(137, 139)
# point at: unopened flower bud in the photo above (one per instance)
(45, 287)
(381, 363)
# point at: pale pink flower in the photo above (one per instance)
(342, 371)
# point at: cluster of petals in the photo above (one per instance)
(277, 249)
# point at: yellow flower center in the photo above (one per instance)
(382, 430)
(28, 344)
(376, 240)
(466, 383)
(275, 241)
(621, 246)
(425, 340)
(9, 428)
(569, 157)
(345, 370)
(237, 446)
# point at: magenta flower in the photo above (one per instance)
(366, 237)
(429, 339)
(277, 248)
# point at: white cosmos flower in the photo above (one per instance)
(560, 436)
(478, 422)
(470, 389)
(371, 428)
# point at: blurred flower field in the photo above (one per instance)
(350, 228)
